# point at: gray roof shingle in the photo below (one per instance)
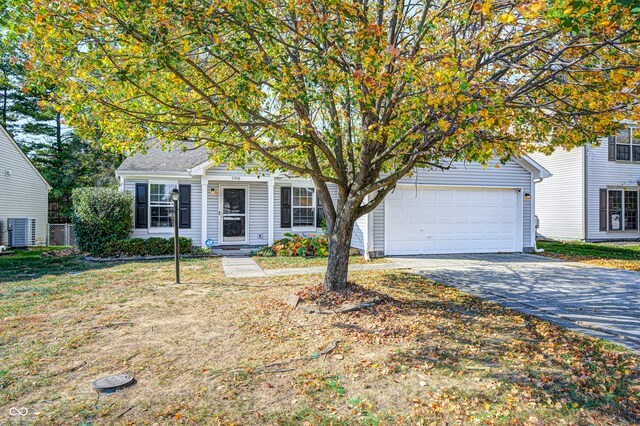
(158, 160)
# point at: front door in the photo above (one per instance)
(234, 215)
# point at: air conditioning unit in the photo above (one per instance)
(22, 232)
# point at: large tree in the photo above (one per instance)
(354, 93)
(65, 160)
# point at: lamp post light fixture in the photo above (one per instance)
(175, 194)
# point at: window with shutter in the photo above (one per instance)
(285, 207)
(141, 207)
(185, 206)
(319, 213)
(603, 209)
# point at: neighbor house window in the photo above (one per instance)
(304, 207)
(623, 210)
(161, 205)
(627, 146)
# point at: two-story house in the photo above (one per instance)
(593, 192)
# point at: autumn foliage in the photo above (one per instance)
(352, 93)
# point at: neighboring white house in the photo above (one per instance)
(24, 194)
(467, 209)
(593, 194)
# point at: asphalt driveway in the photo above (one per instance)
(600, 302)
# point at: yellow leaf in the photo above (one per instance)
(443, 124)
(486, 7)
(507, 18)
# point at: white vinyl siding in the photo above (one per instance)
(196, 207)
(359, 231)
(278, 230)
(559, 199)
(605, 174)
(23, 192)
(509, 175)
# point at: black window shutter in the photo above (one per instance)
(612, 148)
(185, 206)
(603, 209)
(319, 212)
(285, 207)
(142, 205)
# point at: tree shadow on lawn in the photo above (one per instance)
(461, 335)
(23, 268)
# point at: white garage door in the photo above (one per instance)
(445, 220)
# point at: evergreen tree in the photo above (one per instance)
(65, 160)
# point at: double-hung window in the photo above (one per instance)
(627, 147)
(304, 207)
(622, 210)
(161, 205)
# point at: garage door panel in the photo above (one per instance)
(439, 220)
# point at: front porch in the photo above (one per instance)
(237, 212)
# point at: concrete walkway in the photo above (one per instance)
(322, 269)
(599, 302)
(241, 267)
(246, 267)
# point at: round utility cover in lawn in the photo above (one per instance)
(113, 383)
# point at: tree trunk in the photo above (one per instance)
(4, 107)
(339, 235)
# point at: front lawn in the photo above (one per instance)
(231, 351)
(281, 262)
(622, 256)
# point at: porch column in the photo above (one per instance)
(270, 215)
(204, 182)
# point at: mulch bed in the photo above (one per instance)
(62, 253)
(352, 295)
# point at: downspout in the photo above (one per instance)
(585, 193)
(533, 207)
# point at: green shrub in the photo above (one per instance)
(155, 246)
(149, 247)
(100, 216)
(299, 245)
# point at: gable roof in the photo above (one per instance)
(17, 147)
(532, 166)
(156, 159)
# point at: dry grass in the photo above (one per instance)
(282, 262)
(217, 350)
(625, 255)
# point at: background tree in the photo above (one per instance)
(353, 93)
(65, 160)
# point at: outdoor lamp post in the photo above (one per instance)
(175, 194)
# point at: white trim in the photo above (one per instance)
(201, 169)
(520, 220)
(622, 189)
(238, 179)
(158, 229)
(270, 210)
(366, 234)
(533, 167)
(312, 228)
(221, 214)
(532, 226)
(519, 208)
(204, 185)
(153, 175)
(15, 144)
(425, 185)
